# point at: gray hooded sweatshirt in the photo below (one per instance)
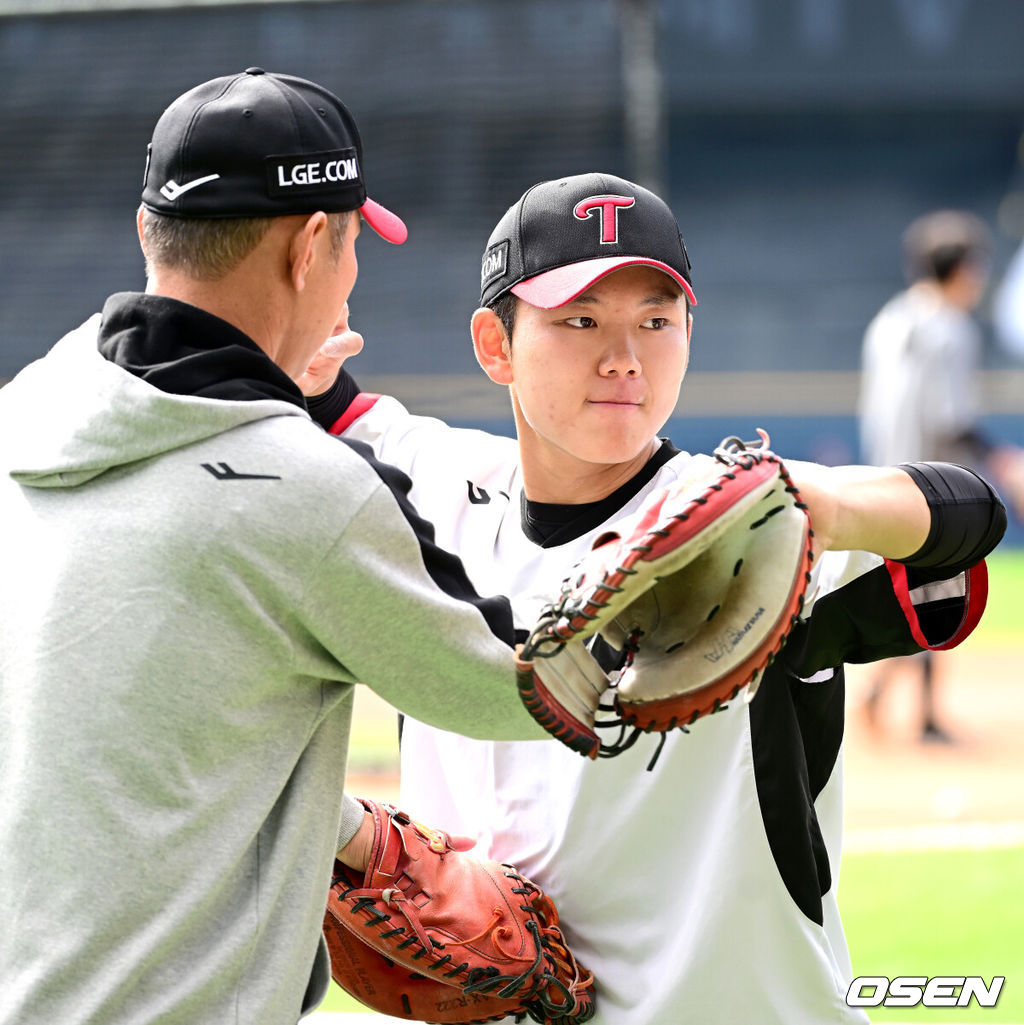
(190, 586)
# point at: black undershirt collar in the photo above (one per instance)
(184, 350)
(551, 524)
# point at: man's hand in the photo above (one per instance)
(356, 853)
(323, 370)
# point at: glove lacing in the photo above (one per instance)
(549, 999)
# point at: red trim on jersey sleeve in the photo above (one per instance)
(975, 600)
(362, 403)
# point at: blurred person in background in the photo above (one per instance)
(919, 389)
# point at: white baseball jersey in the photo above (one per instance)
(704, 889)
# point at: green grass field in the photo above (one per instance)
(1003, 620)
(338, 1000)
(958, 912)
(938, 913)
(947, 912)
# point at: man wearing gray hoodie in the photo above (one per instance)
(194, 576)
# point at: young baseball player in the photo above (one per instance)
(194, 575)
(701, 887)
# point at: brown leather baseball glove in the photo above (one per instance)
(699, 590)
(431, 934)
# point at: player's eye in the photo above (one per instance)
(580, 322)
(656, 323)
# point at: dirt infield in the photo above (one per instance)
(892, 779)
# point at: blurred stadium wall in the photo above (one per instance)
(794, 138)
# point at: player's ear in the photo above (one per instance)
(302, 248)
(491, 345)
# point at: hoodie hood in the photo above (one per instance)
(99, 415)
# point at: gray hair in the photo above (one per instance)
(207, 248)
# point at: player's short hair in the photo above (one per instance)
(207, 248)
(505, 310)
(936, 245)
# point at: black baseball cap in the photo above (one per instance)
(564, 235)
(260, 145)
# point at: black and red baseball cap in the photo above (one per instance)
(563, 235)
(260, 145)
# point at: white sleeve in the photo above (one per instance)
(423, 446)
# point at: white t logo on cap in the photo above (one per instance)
(609, 207)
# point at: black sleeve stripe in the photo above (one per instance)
(862, 621)
(444, 568)
(798, 717)
(796, 730)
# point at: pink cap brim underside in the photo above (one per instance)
(556, 287)
(389, 226)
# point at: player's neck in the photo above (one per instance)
(557, 477)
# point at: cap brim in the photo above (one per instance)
(389, 226)
(563, 284)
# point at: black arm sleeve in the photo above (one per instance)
(329, 407)
(968, 516)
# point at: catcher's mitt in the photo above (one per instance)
(431, 934)
(700, 590)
